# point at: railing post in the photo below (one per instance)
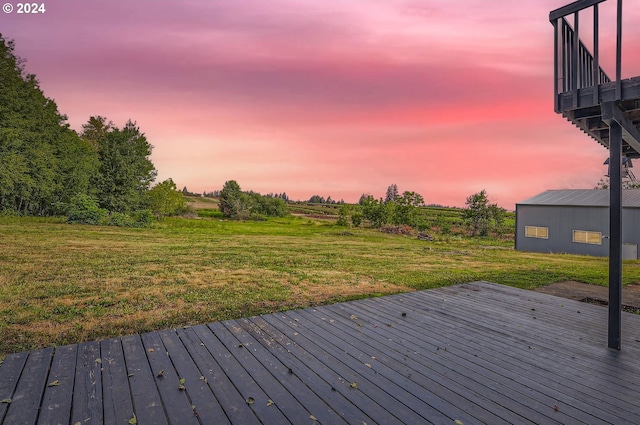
(596, 57)
(556, 81)
(619, 53)
(574, 60)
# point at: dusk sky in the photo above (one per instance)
(327, 97)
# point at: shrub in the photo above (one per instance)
(142, 218)
(356, 218)
(121, 220)
(84, 209)
(7, 212)
(234, 203)
(166, 200)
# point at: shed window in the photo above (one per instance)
(536, 232)
(584, 236)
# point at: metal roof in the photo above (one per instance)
(583, 197)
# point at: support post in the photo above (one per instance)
(615, 235)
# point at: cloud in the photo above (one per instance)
(333, 98)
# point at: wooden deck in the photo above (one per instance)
(477, 353)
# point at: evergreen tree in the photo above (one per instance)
(231, 203)
(392, 193)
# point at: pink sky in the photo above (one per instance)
(326, 97)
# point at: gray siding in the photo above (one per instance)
(563, 220)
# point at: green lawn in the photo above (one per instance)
(62, 283)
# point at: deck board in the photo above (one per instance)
(56, 404)
(87, 402)
(144, 393)
(25, 402)
(475, 353)
(10, 372)
(118, 406)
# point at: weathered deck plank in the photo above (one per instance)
(205, 405)
(144, 393)
(87, 407)
(475, 353)
(118, 407)
(176, 404)
(56, 404)
(26, 399)
(251, 391)
(323, 380)
(9, 375)
(295, 399)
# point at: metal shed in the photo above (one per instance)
(576, 222)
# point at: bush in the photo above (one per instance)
(236, 204)
(349, 215)
(6, 212)
(121, 220)
(84, 209)
(166, 200)
(356, 218)
(142, 218)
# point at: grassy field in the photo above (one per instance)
(62, 283)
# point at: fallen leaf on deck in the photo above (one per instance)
(133, 420)
(250, 400)
(54, 383)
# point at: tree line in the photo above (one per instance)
(102, 174)
(395, 209)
